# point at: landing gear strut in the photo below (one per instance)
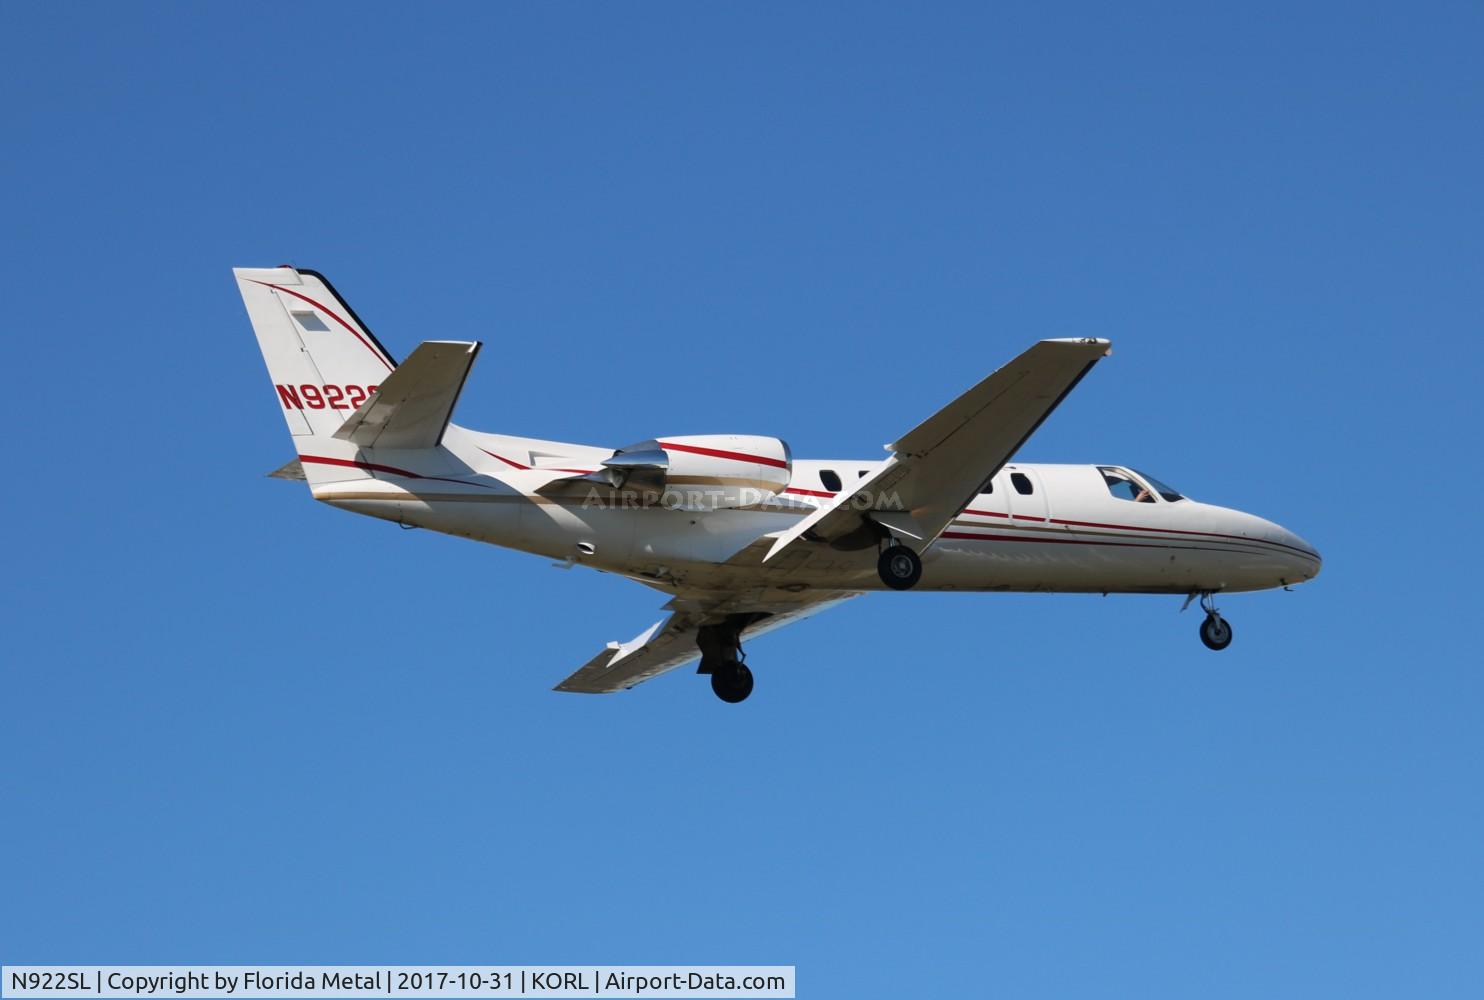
(899, 567)
(1216, 632)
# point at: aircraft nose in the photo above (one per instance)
(1288, 558)
(1302, 557)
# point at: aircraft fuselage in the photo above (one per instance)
(1055, 528)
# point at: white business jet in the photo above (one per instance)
(740, 535)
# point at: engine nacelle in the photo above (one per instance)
(701, 471)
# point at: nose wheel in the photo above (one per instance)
(1216, 631)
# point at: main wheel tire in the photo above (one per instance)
(1216, 632)
(899, 568)
(732, 682)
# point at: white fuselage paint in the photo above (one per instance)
(1070, 534)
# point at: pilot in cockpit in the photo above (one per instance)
(1125, 488)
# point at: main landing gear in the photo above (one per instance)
(731, 681)
(899, 567)
(1216, 632)
(723, 659)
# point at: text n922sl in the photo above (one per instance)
(326, 397)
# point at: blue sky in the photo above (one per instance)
(239, 727)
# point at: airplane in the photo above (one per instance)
(742, 537)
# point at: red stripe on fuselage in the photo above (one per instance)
(1072, 541)
(735, 456)
(390, 470)
(510, 462)
(526, 468)
(1183, 531)
(1140, 527)
(368, 466)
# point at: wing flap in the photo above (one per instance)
(415, 402)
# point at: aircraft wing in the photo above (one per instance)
(415, 402)
(671, 643)
(937, 467)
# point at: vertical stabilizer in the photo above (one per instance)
(322, 360)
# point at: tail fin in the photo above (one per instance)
(323, 361)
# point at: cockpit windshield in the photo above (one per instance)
(1127, 486)
(1168, 492)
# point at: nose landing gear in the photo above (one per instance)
(1216, 632)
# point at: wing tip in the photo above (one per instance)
(1104, 344)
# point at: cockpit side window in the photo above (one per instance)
(1125, 487)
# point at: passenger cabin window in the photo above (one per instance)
(830, 480)
(988, 486)
(1022, 483)
(1125, 487)
(865, 473)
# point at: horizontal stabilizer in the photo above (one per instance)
(289, 470)
(416, 401)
